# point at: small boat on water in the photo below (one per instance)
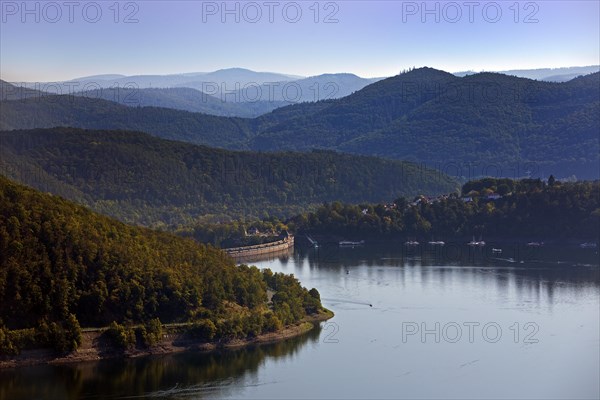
(588, 245)
(474, 242)
(411, 243)
(348, 243)
(535, 244)
(437, 243)
(497, 251)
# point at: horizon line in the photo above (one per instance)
(297, 76)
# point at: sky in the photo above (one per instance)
(51, 41)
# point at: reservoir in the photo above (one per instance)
(426, 321)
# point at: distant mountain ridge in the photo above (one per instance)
(500, 124)
(229, 76)
(545, 74)
(480, 124)
(233, 92)
(186, 99)
(90, 113)
(311, 89)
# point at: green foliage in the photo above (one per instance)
(250, 289)
(145, 180)
(254, 323)
(314, 293)
(474, 124)
(271, 322)
(234, 233)
(425, 115)
(66, 336)
(312, 301)
(89, 113)
(151, 332)
(12, 342)
(290, 302)
(181, 98)
(121, 336)
(62, 265)
(503, 185)
(231, 327)
(204, 330)
(62, 336)
(7, 347)
(528, 209)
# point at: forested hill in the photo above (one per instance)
(9, 91)
(146, 180)
(63, 267)
(183, 98)
(47, 111)
(484, 119)
(528, 209)
(480, 124)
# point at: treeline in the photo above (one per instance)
(144, 180)
(425, 115)
(92, 113)
(234, 233)
(499, 208)
(179, 98)
(63, 267)
(436, 118)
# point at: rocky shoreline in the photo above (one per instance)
(94, 349)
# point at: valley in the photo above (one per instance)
(427, 116)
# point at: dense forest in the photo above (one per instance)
(183, 98)
(501, 125)
(494, 208)
(496, 122)
(145, 180)
(529, 209)
(63, 267)
(234, 233)
(90, 113)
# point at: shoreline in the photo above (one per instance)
(334, 239)
(92, 348)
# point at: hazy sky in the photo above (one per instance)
(46, 41)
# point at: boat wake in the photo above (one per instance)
(177, 391)
(362, 303)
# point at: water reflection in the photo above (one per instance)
(194, 374)
(374, 290)
(450, 254)
(533, 272)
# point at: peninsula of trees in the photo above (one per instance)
(64, 268)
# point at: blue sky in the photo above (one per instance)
(369, 39)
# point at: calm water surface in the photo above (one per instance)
(425, 322)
